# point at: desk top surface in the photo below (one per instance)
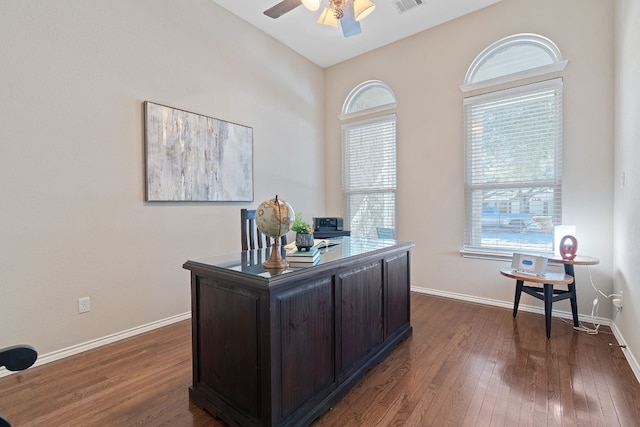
(250, 262)
(550, 277)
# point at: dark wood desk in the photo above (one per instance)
(281, 348)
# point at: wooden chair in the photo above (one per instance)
(251, 237)
(16, 358)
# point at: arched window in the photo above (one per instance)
(368, 97)
(513, 58)
(369, 159)
(513, 146)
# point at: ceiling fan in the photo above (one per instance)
(348, 12)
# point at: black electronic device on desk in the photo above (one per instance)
(329, 227)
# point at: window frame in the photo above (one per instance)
(376, 113)
(494, 88)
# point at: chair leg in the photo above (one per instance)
(548, 301)
(516, 299)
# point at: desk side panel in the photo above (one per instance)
(397, 293)
(361, 313)
(228, 345)
(306, 331)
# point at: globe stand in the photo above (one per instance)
(275, 261)
(273, 219)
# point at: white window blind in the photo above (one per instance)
(513, 180)
(369, 176)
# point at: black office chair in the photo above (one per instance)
(386, 233)
(16, 358)
(251, 237)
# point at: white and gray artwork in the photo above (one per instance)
(191, 157)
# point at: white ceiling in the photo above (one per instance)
(326, 45)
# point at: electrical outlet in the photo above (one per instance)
(84, 305)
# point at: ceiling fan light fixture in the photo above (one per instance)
(311, 4)
(328, 17)
(362, 9)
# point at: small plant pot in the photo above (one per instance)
(304, 241)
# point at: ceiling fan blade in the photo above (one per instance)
(281, 8)
(350, 27)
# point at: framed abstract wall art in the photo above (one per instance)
(191, 157)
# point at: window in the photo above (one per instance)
(513, 150)
(369, 159)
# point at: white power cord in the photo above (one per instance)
(594, 309)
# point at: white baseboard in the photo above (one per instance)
(633, 362)
(98, 342)
(509, 305)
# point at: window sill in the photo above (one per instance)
(494, 255)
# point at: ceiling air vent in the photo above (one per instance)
(404, 5)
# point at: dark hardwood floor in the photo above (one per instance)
(465, 365)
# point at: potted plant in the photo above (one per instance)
(304, 233)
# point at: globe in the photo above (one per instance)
(274, 217)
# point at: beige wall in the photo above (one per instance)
(425, 72)
(627, 161)
(73, 220)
